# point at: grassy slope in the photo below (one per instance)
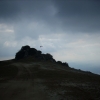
(80, 85)
(65, 83)
(7, 71)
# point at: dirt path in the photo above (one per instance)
(23, 86)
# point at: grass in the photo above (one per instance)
(85, 87)
(7, 71)
(77, 84)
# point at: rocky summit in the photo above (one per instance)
(32, 75)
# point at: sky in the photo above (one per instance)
(67, 29)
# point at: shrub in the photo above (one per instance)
(59, 62)
(48, 56)
(65, 64)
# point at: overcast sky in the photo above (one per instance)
(67, 29)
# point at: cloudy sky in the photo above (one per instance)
(67, 29)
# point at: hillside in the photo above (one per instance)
(32, 78)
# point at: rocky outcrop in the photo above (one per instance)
(26, 51)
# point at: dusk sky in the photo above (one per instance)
(67, 29)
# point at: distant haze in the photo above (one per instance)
(67, 29)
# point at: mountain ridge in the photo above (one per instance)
(33, 78)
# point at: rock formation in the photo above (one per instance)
(26, 51)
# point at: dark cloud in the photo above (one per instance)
(79, 16)
(8, 10)
(67, 15)
(25, 13)
(24, 9)
(68, 8)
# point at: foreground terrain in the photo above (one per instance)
(46, 80)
